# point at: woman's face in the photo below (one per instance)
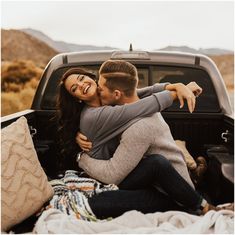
(81, 86)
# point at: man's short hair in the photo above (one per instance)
(120, 75)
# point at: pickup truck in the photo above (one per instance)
(208, 131)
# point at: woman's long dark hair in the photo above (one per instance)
(68, 119)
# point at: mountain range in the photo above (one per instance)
(61, 46)
(30, 44)
(206, 51)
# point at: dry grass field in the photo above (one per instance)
(20, 79)
(225, 64)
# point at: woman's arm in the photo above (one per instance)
(149, 90)
(86, 145)
(98, 123)
(158, 87)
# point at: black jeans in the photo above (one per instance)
(138, 192)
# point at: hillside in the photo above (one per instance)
(63, 46)
(19, 45)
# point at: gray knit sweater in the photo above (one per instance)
(150, 135)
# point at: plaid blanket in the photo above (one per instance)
(71, 194)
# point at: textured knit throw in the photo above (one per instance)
(71, 194)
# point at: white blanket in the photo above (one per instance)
(54, 221)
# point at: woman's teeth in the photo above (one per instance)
(86, 89)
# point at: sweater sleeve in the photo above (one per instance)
(125, 158)
(103, 121)
(149, 90)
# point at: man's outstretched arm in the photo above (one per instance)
(134, 144)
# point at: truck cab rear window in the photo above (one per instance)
(148, 75)
(207, 102)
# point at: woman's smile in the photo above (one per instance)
(85, 90)
(81, 86)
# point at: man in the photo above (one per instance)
(144, 137)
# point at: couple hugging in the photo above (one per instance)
(129, 144)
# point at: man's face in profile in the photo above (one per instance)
(106, 96)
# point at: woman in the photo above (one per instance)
(78, 96)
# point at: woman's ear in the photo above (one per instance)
(117, 94)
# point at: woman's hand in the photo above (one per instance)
(193, 86)
(182, 92)
(83, 142)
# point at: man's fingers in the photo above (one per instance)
(82, 141)
(85, 149)
(85, 144)
(77, 139)
(81, 136)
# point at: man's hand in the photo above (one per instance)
(193, 86)
(182, 92)
(83, 142)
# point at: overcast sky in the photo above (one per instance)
(147, 24)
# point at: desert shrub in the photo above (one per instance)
(19, 80)
(33, 83)
(19, 72)
(13, 87)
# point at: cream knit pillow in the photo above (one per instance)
(24, 185)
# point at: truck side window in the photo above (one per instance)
(207, 102)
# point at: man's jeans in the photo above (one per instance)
(138, 191)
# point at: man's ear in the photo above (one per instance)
(117, 94)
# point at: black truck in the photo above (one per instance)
(208, 131)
